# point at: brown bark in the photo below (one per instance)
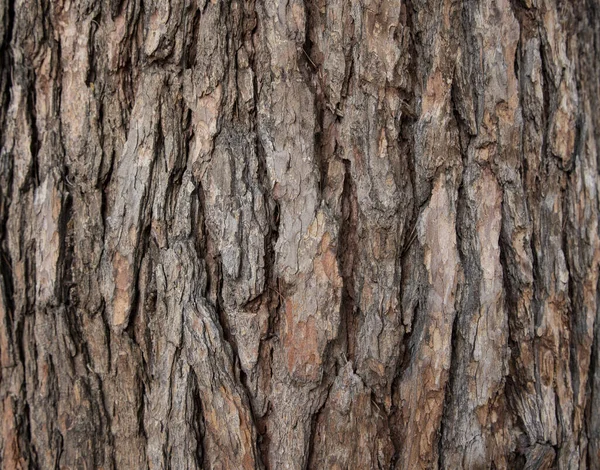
(297, 234)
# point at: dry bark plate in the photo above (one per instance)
(287, 234)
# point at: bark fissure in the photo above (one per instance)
(302, 234)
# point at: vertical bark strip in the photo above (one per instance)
(263, 234)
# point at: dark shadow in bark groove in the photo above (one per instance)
(195, 405)
(347, 250)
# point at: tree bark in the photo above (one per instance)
(265, 234)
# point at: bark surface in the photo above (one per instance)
(267, 234)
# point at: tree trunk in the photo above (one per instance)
(265, 234)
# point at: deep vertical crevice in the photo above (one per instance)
(311, 66)
(6, 160)
(347, 250)
(591, 415)
(6, 68)
(34, 176)
(66, 291)
(194, 404)
(314, 422)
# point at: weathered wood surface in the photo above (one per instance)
(319, 234)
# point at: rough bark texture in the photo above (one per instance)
(319, 234)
